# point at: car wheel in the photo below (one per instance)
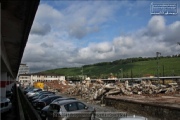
(92, 117)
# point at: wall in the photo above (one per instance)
(145, 109)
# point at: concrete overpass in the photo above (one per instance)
(16, 22)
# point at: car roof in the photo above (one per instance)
(65, 98)
(49, 97)
(65, 102)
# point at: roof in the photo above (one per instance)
(29, 74)
(65, 102)
(16, 22)
(51, 74)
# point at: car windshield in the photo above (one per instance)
(54, 107)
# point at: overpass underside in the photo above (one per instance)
(16, 21)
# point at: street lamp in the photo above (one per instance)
(157, 55)
(121, 73)
(81, 81)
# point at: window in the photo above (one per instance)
(55, 107)
(71, 107)
(80, 106)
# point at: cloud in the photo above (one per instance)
(156, 25)
(40, 29)
(78, 20)
(57, 46)
(135, 44)
(172, 33)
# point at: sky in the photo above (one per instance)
(75, 33)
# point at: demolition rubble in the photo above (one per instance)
(98, 90)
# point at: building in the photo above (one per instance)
(23, 69)
(25, 79)
(29, 79)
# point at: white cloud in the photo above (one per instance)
(40, 29)
(58, 48)
(156, 25)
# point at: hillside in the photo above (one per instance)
(132, 67)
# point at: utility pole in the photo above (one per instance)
(131, 76)
(163, 75)
(157, 55)
(121, 73)
(81, 81)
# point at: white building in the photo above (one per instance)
(24, 79)
(29, 79)
(23, 69)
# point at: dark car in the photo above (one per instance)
(46, 101)
(44, 111)
(9, 94)
(40, 97)
(28, 90)
(34, 102)
(37, 94)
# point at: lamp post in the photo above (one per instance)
(121, 73)
(157, 55)
(81, 81)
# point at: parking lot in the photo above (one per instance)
(102, 112)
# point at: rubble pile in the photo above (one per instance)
(99, 89)
(60, 86)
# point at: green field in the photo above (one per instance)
(167, 67)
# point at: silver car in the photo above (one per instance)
(5, 105)
(70, 110)
(133, 118)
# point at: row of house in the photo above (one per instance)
(25, 78)
(29, 79)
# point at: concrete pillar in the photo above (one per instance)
(3, 84)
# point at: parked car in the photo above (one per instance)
(44, 102)
(28, 89)
(133, 118)
(40, 97)
(31, 93)
(37, 94)
(44, 111)
(5, 105)
(9, 94)
(34, 102)
(71, 110)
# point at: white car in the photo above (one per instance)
(5, 105)
(133, 118)
(31, 93)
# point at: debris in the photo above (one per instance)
(99, 89)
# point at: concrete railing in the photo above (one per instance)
(19, 106)
(29, 112)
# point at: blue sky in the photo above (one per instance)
(75, 33)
